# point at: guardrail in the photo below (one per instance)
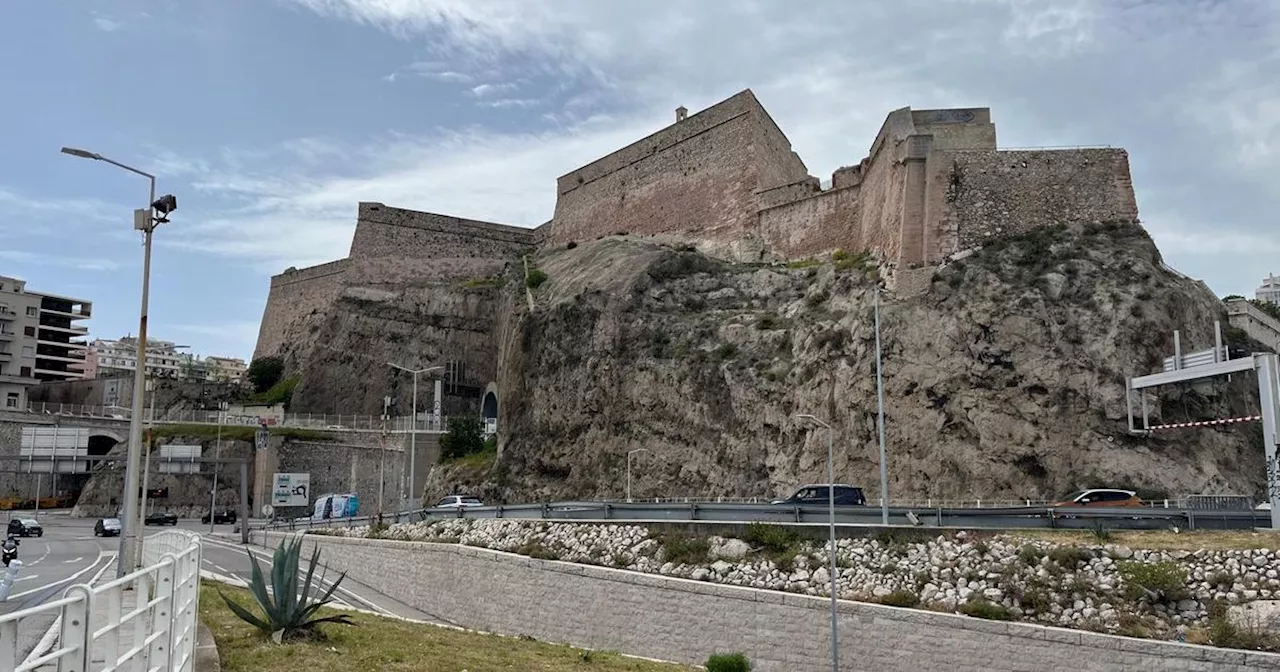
(1025, 517)
(341, 422)
(145, 620)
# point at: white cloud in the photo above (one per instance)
(59, 260)
(1186, 87)
(107, 25)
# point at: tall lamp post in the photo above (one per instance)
(629, 454)
(884, 471)
(413, 419)
(217, 455)
(831, 509)
(145, 220)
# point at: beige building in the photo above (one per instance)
(40, 339)
(226, 369)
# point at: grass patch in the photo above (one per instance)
(685, 550)
(901, 598)
(482, 460)
(1157, 581)
(279, 393)
(981, 608)
(241, 432)
(395, 646)
(484, 282)
(1164, 540)
(845, 261)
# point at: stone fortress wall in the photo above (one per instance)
(932, 185)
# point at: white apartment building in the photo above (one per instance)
(1269, 290)
(111, 358)
(39, 339)
(121, 356)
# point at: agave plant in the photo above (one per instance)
(289, 612)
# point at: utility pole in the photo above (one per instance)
(213, 497)
(382, 462)
(413, 420)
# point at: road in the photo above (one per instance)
(69, 554)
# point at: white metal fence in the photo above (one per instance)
(145, 620)
(338, 421)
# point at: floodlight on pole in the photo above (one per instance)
(145, 220)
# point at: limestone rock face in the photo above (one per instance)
(1006, 380)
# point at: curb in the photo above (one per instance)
(206, 657)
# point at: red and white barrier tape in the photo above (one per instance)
(1227, 421)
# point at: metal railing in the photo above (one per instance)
(145, 620)
(1014, 517)
(321, 421)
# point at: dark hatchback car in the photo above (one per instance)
(25, 527)
(845, 495)
(161, 519)
(220, 516)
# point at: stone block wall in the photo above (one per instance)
(816, 225)
(349, 465)
(994, 193)
(383, 231)
(296, 303)
(1258, 325)
(697, 178)
(685, 621)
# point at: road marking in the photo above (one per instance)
(56, 583)
(319, 580)
(27, 578)
(72, 562)
(47, 549)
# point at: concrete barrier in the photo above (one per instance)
(685, 621)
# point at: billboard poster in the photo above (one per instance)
(291, 490)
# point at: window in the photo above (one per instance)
(28, 331)
(11, 401)
(28, 351)
(25, 372)
(31, 311)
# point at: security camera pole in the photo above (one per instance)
(145, 220)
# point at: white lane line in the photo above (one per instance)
(27, 578)
(66, 580)
(319, 581)
(72, 562)
(47, 549)
(51, 635)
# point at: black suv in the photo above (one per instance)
(846, 495)
(25, 527)
(220, 516)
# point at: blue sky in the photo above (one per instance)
(271, 119)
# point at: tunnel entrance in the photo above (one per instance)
(489, 411)
(100, 445)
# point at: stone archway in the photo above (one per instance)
(489, 406)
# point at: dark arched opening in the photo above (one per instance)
(489, 407)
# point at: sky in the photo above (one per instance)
(271, 119)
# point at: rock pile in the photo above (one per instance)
(1103, 587)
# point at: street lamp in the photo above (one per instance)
(831, 512)
(637, 450)
(413, 418)
(145, 220)
(217, 455)
(884, 471)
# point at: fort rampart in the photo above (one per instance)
(933, 184)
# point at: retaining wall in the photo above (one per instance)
(685, 621)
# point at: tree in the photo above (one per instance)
(265, 372)
(465, 436)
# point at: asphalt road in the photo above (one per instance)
(69, 554)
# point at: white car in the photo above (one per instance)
(458, 502)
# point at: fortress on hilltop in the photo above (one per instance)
(726, 180)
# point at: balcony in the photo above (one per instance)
(7, 315)
(66, 330)
(6, 336)
(6, 356)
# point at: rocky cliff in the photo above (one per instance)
(1005, 380)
